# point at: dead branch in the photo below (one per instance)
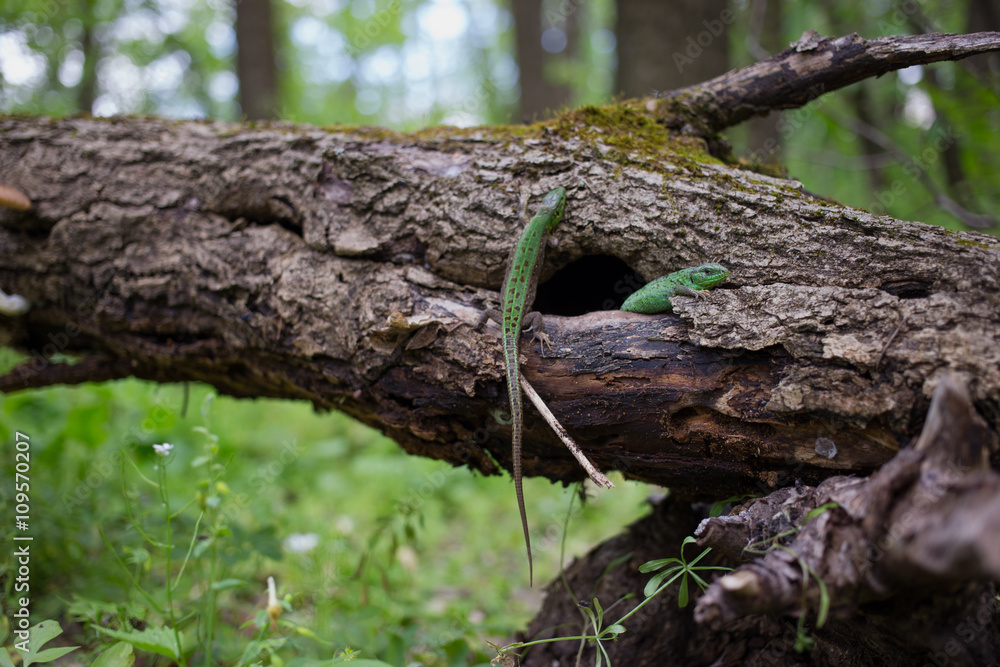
(816, 65)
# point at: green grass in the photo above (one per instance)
(414, 561)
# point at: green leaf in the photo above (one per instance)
(5, 660)
(255, 648)
(717, 507)
(653, 584)
(734, 499)
(159, 640)
(119, 655)
(226, 584)
(653, 565)
(816, 511)
(700, 556)
(200, 548)
(616, 562)
(600, 647)
(824, 603)
(206, 411)
(250, 651)
(615, 629)
(682, 594)
(38, 636)
(43, 633)
(50, 654)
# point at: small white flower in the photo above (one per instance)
(344, 525)
(273, 606)
(164, 449)
(301, 543)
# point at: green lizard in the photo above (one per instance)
(655, 296)
(519, 286)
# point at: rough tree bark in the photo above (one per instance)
(346, 266)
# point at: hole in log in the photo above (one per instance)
(907, 289)
(597, 282)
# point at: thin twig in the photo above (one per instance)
(596, 475)
(889, 342)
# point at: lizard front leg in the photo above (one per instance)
(535, 323)
(489, 314)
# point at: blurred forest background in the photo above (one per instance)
(392, 557)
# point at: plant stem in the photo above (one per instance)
(210, 614)
(165, 497)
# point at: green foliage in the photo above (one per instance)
(594, 613)
(38, 636)
(156, 640)
(118, 655)
(400, 63)
(677, 568)
(375, 554)
(909, 144)
(116, 57)
(803, 642)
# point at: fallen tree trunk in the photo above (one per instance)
(300, 263)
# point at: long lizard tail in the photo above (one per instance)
(517, 417)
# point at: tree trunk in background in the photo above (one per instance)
(871, 152)
(541, 98)
(88, 84)
(255, 62)
(764, 40)
(663, 46)
(983, 15)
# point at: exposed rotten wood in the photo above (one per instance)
(909, 558)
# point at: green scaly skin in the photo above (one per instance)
(655, 296)
(519, 286)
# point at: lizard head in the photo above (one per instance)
(552, 207)
(707, 275)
